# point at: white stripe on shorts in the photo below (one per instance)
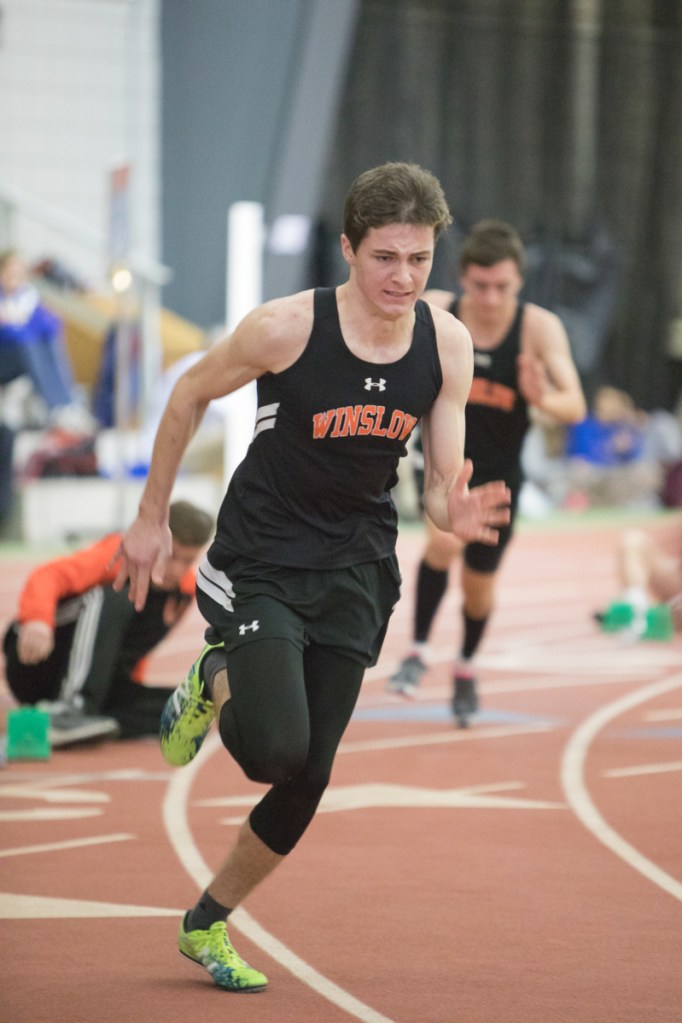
(215, 584)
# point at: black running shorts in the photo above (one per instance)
(345, 609)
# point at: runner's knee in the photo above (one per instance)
(268, 755)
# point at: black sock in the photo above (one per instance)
(213, 662)
(205, 913)
(431, 585)
(473, 633)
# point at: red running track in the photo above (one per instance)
(526, 869)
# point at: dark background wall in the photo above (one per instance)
(562, 116)
(250, 91)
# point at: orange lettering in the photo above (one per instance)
(395, 426)
(491, 394)
(366, 420)
(379, 431)
(410, 423)
(351, 418)
(361, 421)
(336, 432)
(321, 423)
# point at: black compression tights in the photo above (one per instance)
(282, 724)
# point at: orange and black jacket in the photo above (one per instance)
(74, 574)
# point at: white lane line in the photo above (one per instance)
(180, 836)
(634, 772)
(438, 738)
(674, 714)
(75, 843)
(6, 816)
(578, 797)
(41, 907)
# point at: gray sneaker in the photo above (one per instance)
(464, 699)
(406, 679)
(71, 725)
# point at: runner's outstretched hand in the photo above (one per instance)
(475, 514)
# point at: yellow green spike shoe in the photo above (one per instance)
(187, 716)
(213, 950)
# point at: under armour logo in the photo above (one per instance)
(379, 384)
(254, 627)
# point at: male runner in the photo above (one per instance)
(301, 580)
(522, 358)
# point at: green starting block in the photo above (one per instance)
(659, 623)
(617, 616)
(659, 620)
(28, 734)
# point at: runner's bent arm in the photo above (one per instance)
(548, 378)
(267, 339)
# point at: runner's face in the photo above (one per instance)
(492, 290)
(391, 266)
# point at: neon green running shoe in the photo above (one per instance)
(213, 950)
(187, 716)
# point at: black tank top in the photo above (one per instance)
(496, 412)
(314, 488)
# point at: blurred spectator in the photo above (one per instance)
(612, 434)
(104, 392)
(53, 271)
(36, 383)
(618, 455)
(609, 459)
(31, 341)
(78, 647)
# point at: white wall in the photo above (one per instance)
(79, 94)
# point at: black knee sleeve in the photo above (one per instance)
(285, 812)
(268, 758)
